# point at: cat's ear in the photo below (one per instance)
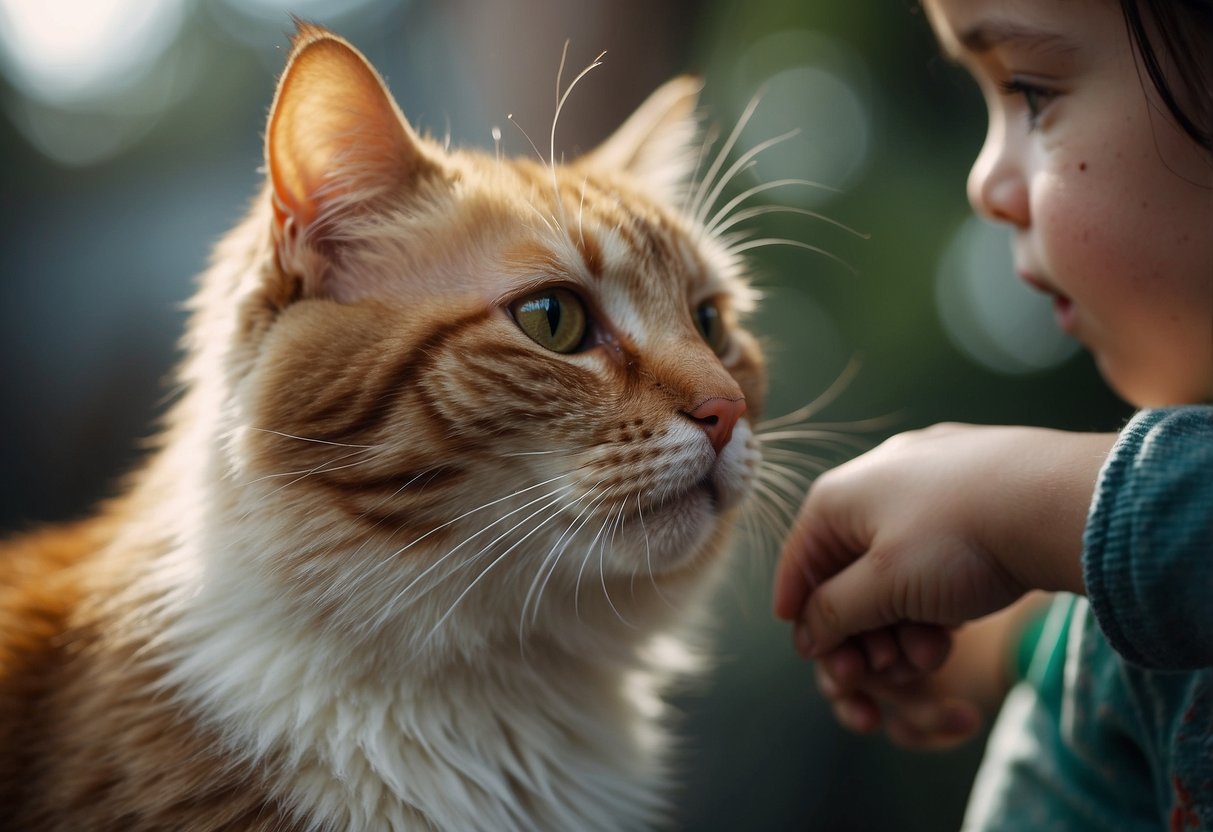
(657, 144)
(336, 139)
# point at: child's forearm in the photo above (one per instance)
(1038, 539)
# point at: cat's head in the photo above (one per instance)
(463, 388)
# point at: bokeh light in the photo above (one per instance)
(93, 76)
(988, 312)
(812, 86)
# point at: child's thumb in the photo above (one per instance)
(854, 601)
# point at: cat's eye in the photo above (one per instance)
(552, 318)
(710, 322)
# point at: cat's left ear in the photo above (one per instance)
(336, 140)
(657, 144)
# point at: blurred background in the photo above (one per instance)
(131, 139)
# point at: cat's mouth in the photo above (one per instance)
(705, 490)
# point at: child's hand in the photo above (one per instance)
(939, 526)
(926, 707)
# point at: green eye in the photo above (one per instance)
(554, 319)
(710, 322)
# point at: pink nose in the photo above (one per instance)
(718, 417)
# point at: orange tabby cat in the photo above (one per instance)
(460, 441)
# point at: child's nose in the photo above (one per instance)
(997, 186)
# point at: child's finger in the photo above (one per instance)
(847, 604)
(846, 666)
(793, 581)
(931, 724)
(880, 648)
(925, 646)
(857, 713)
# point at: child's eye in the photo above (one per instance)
(1034, 96)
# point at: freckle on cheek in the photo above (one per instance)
(1082, 166)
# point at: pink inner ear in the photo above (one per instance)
(335, 135)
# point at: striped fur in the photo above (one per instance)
(394, 565)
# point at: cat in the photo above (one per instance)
(459, 445)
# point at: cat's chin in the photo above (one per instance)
(682, 528)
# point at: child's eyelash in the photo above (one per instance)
(1034, 96)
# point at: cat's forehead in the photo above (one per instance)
(505, 228)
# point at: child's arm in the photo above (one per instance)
(939, 526)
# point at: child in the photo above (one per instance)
(911, 570)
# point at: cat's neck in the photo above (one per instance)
(554, 730)
(370, 738)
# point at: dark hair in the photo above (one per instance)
(1175, 41)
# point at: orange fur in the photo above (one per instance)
(333, 528)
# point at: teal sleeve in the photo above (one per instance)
(1148, 546)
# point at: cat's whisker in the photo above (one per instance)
(401, 595)
(813, 464)
(760, 188)
(793, 482)
(648, 556)
(709, 139)
(588, 553)
(744, 162)
(602, 566)
(822, 438)
(821, 402)
(322, 468)
(696, 207)
(472, 585)
(309, 439)
(510, 118)
(392, 557)
(386, 562)
(774, 505)
(722, 221)
(540, 453)
(782, 241)
(539, 571)
(581, 212)
(560, 546)
(561, 98)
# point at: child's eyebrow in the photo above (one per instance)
(989, 34)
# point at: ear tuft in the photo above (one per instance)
(657, 143)
(335, 137)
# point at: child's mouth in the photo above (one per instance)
(1063, 306)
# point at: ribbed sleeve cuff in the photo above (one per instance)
(1148, 545)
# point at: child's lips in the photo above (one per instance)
(1063, 306)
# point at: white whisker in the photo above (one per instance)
(450, 610)
(824, 400)
(558, 548)
(307, 439)
(602, 566)
(401, 594)
(589, 551)
(743, 162)
(763, 188)
(721, 155)
(708, 140)
(715, 229)
(648, 556)
(780, 241)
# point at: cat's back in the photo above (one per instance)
(87, 738)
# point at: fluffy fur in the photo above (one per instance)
(395, 564)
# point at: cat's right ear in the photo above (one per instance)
(336, 140)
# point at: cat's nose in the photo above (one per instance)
(718, 416)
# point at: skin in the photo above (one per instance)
(907, 569)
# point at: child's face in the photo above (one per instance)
(1111, 204)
